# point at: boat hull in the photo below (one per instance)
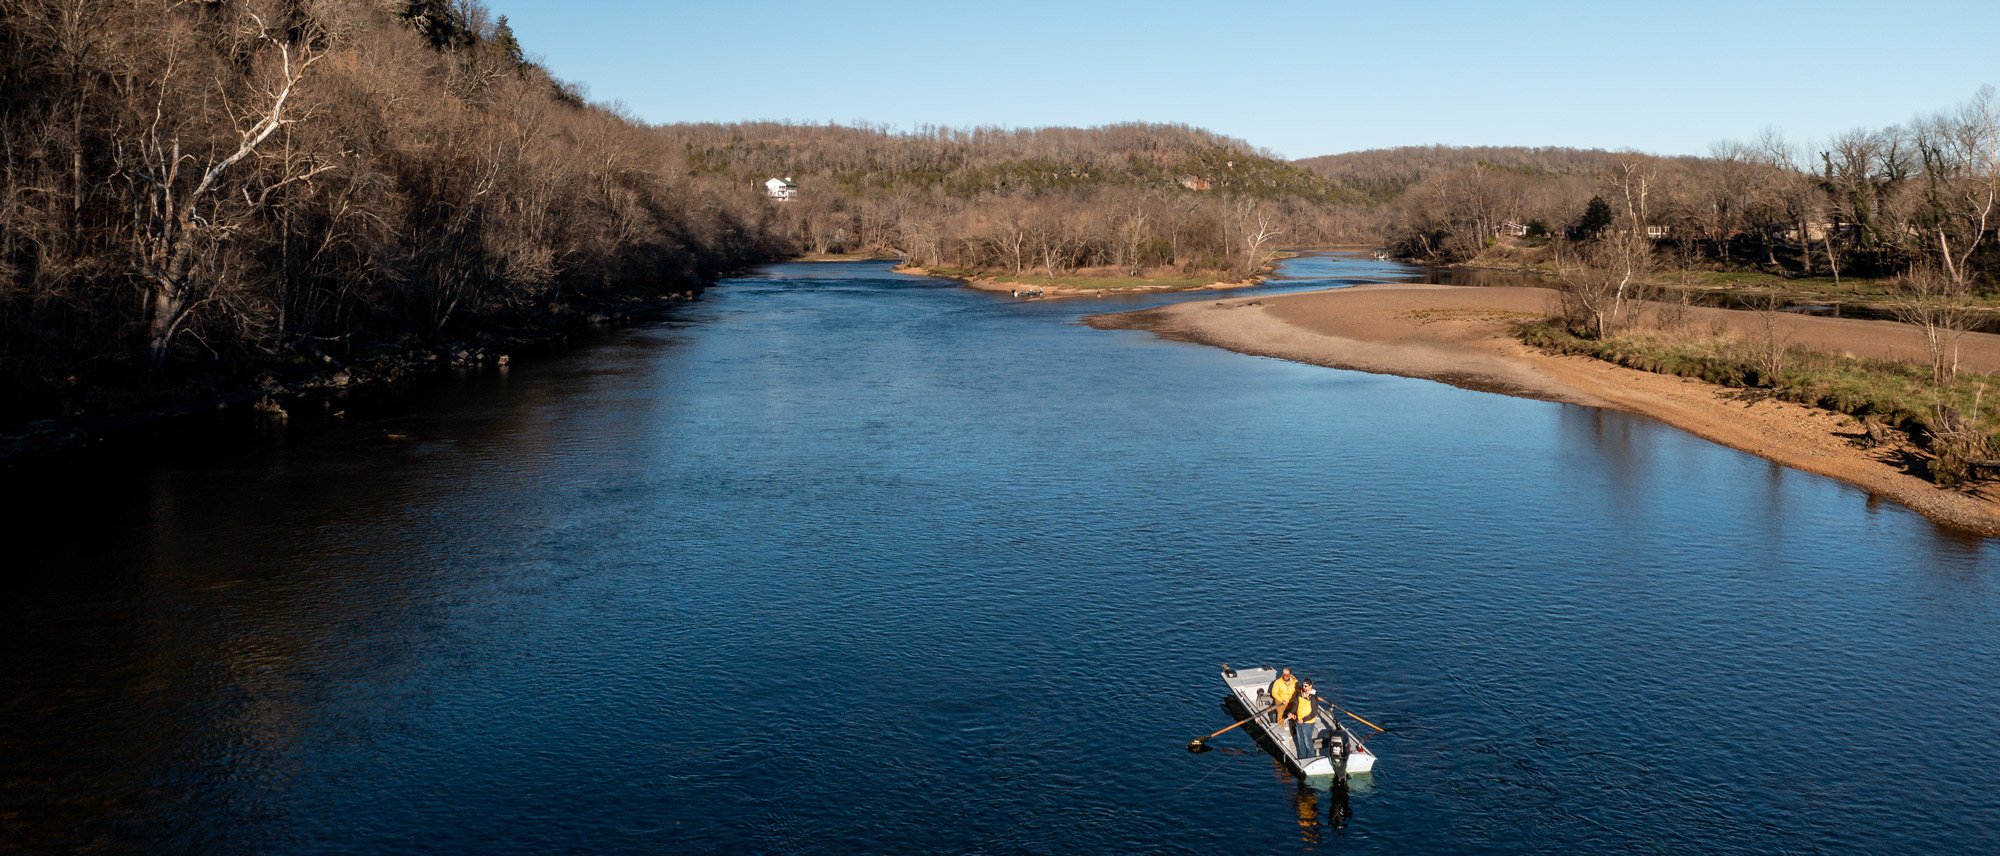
(1249, 688)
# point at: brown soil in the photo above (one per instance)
(1465, 336)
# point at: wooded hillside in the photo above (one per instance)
(223, 189)
(1875, 202)
(1130, 197)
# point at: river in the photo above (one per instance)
(838, 560)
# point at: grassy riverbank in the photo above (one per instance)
(1741, 288)
(1955, 421)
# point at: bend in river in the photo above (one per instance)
(837, 559)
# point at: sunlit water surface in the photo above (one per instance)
(838, 560)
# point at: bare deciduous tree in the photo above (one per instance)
(1259, 232)
(177, 222)
(194, 185)
(1941, 306)
(1961, 164)
(1774, 335)
(1608, 280)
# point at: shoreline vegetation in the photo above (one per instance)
(282, 389)
(1685, 267)
(206, 207)
(1474, 338)
(1873, 296)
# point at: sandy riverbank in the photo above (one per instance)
(1061, 291)
(1464, 336)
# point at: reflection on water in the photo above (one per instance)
(1477, 277)
(839, 560)
(1323, 806)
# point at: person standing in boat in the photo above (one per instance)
(1305, 720)
(1281, 693)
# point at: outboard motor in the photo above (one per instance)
(1334, 744)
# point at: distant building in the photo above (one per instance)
(1659, 232)
(1513, 229)
(1195, 182)
(781, 189)
(1818, 231)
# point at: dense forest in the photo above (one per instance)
(1131, 198)
(210, 192)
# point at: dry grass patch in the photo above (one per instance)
(1433, 315)
(1956, 422)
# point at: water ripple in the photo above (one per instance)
(848, 561)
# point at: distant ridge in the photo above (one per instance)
(1379, 175)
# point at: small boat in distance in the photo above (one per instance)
(1252, 688)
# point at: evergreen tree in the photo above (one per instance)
(436, 20)
(1596, 216)
(503, 39)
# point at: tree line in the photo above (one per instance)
(1869, 202)
(1130, 198)
(1912, 206)
(194, 188)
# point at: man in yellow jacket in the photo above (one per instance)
(1281, 692)
(1305, 720)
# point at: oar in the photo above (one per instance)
(1357, 717)
(1379, 729)
(1196, 744)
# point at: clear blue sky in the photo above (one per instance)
(1301, 78)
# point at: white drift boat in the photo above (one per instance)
(1252, 688)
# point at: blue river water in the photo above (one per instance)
(839, 560)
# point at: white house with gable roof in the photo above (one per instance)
(781, 189)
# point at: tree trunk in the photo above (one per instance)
(1805, 247)
(168, 252)
(168, 303)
